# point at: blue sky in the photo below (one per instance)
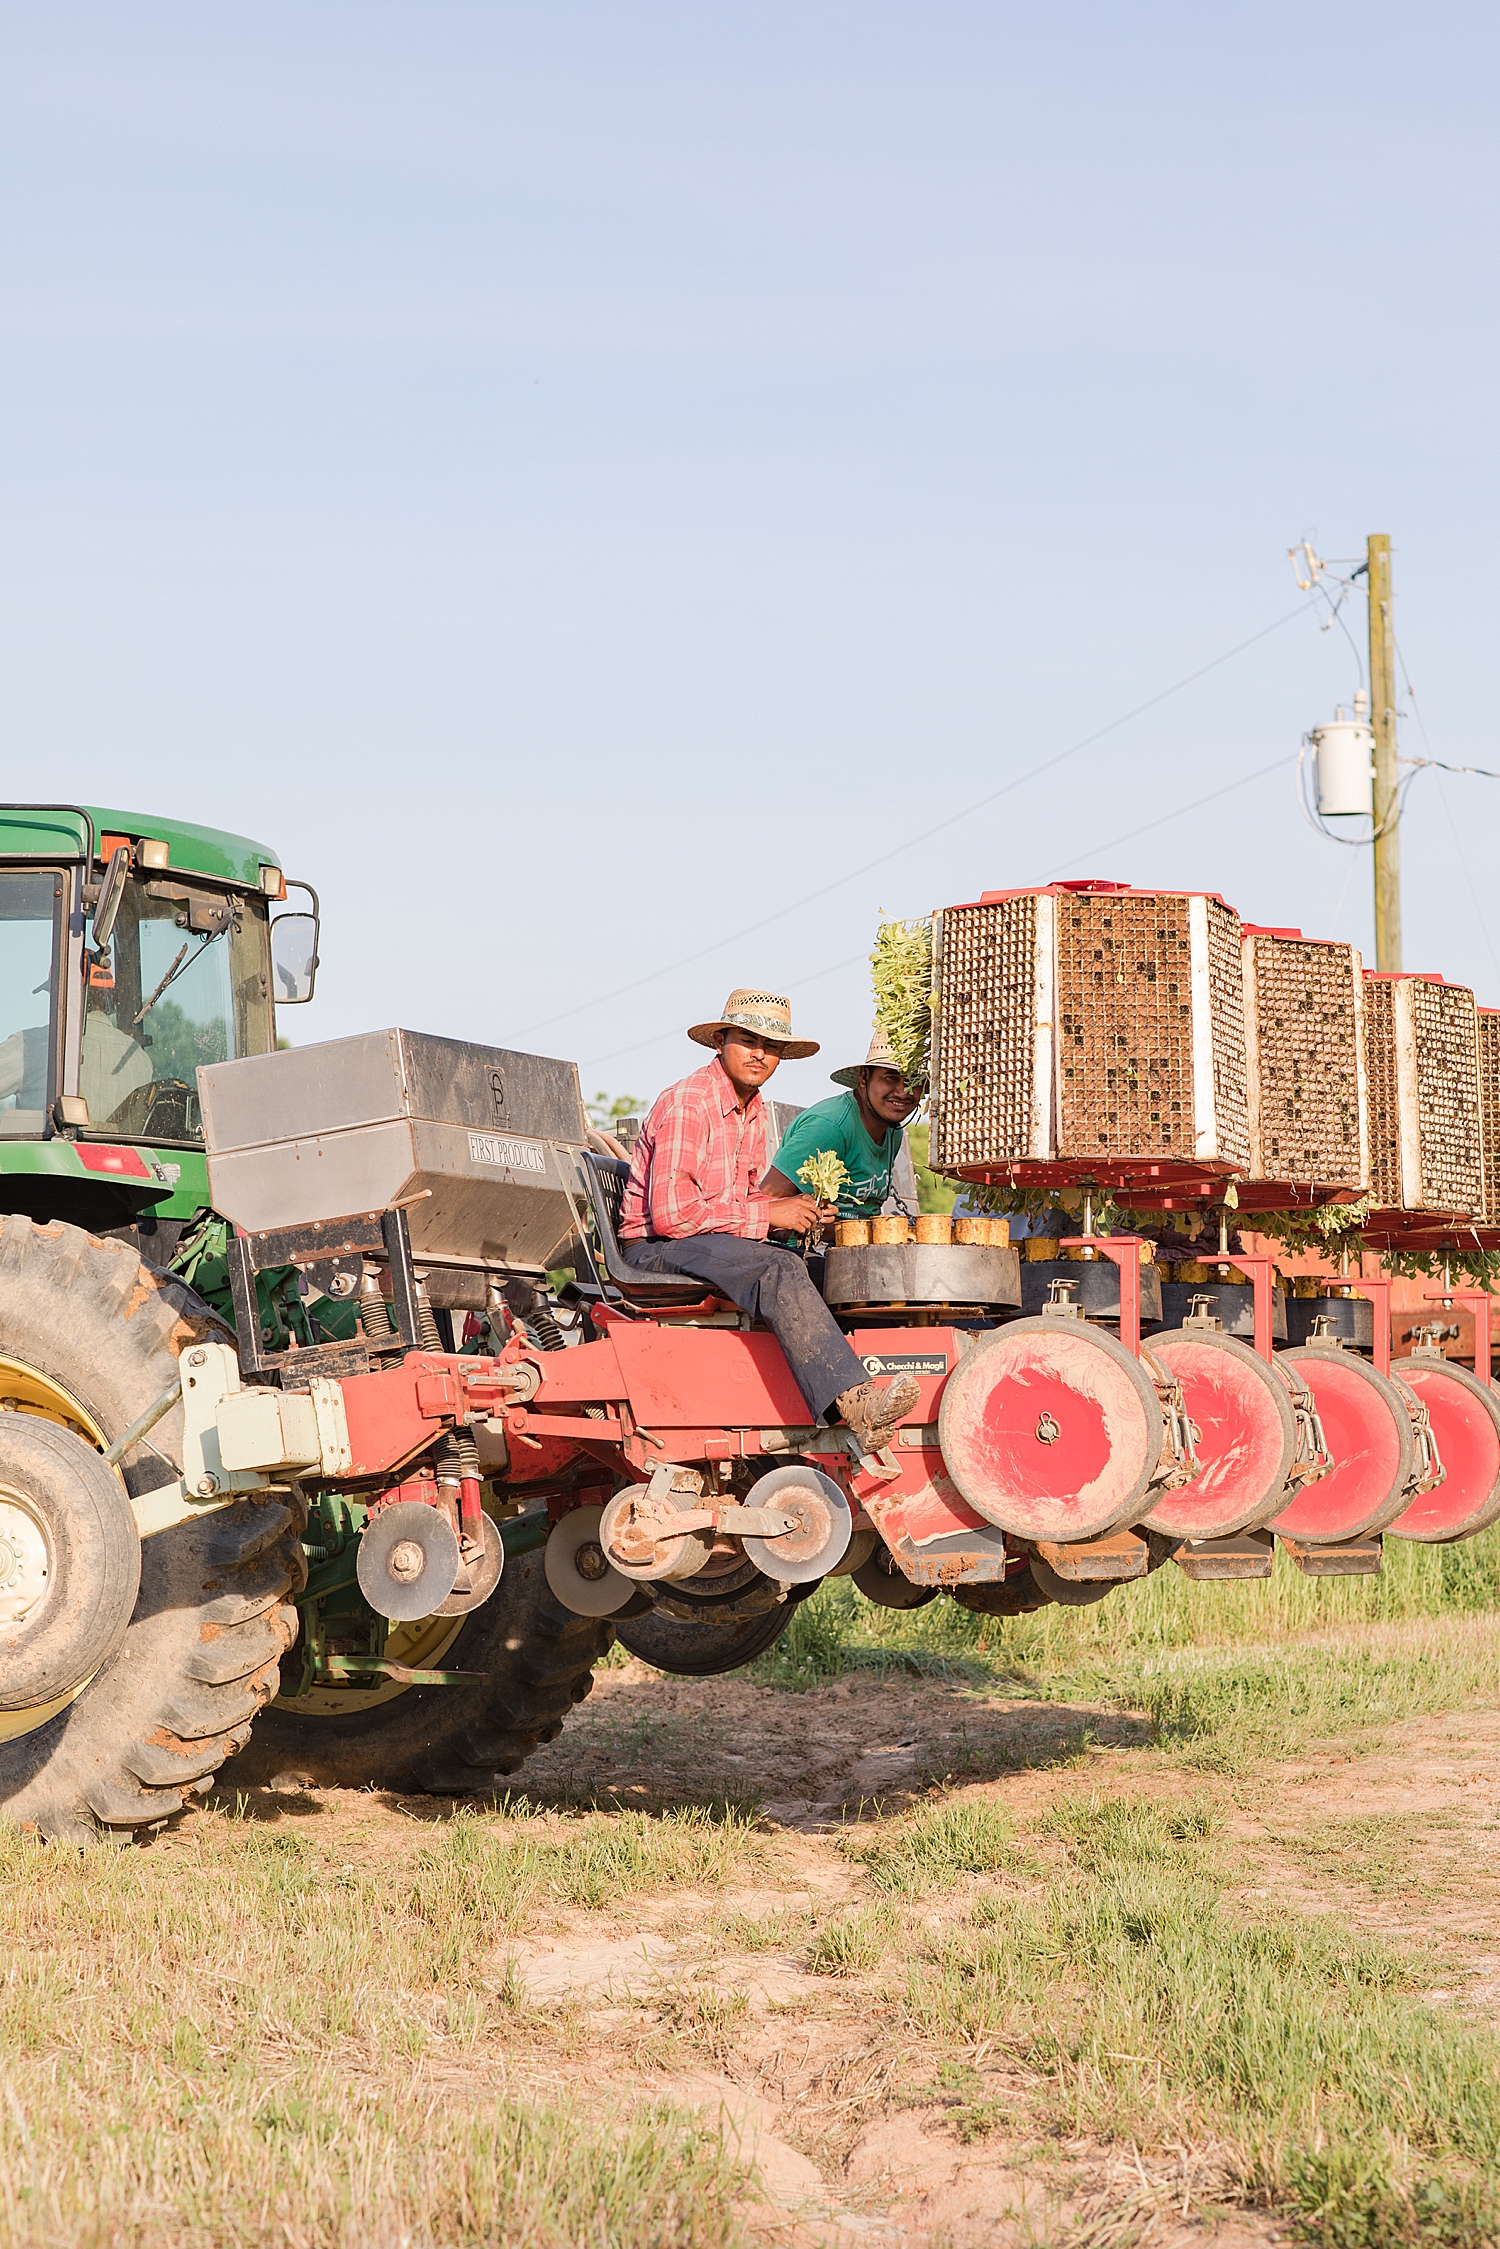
(578, 481)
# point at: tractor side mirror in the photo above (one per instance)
(294, 958)
(111, 891)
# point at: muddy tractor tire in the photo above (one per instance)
(538, 1658)
(138, 1714)
(72, 1561)
(690, 1648)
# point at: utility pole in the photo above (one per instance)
(1387, 849)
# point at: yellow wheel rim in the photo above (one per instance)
(421, 1645)
(25, 1389)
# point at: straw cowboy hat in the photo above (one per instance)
(879, 1057)
(766, 1012)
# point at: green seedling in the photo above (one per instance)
(901, 975)
(825, 1175)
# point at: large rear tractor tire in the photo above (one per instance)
(151, 1706)
(539, 1660)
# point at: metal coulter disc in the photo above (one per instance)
(824, 1525)
(578, 1571)
(484, 1574)
(408, 1561)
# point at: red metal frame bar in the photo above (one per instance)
(1379, 1291)
(1123, 1250)
(1260, 1267)
(1478, 1301)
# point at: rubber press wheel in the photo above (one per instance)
(538, 1659)
(691, 1649)
(137, 1707)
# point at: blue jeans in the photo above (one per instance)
(770, 1284)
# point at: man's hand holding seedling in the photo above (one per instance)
(824, 1176)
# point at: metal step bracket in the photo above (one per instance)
(1119, 1555)
(1123, 1250)
(1247, 1554)
(1356, 1557)
(1475, 1300)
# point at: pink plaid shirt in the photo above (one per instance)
(698, 1164)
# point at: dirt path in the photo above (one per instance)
(714, 2000)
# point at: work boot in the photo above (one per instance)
(871, 1410)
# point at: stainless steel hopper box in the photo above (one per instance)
(478, 1144)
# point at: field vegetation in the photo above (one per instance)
(1217, 1949)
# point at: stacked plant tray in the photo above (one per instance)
(1088, 1032)
(1305, 1071)
(1489, 1113)
(1426, 1124)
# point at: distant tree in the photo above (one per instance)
(178, 1044)
(935, 1195)
(606, 1110)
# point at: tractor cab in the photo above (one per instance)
(131, 950)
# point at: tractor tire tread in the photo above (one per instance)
(132, 1746)
(453, 1741)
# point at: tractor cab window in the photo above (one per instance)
(183, 980)
(30, 913)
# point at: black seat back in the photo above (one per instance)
(606, 1177)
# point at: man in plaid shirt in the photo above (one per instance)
(695, 1204)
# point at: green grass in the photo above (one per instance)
(764, 1932)
(1226, 1674)
(826, 1638)
(1377, 1850)
(237, 2037)
(480, 1873)
(1159, 2010)
(328, 2164)
(851, 1942)
(837, 1627)
(936, 1847)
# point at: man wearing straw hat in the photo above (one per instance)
(697, 1202)
(863, 1127)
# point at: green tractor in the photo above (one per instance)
(148, 1617)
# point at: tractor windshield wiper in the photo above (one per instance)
(178, 968)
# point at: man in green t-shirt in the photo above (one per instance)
(863, 1126)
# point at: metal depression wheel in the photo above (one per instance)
(535, 1658)
(1465, 1419)
(1245, 1436)
(1368, 1431)
(1052, 1430)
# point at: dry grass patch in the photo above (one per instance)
(236, 2036)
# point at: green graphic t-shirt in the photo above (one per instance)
(838, 1126)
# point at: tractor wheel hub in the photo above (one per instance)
(25, 1563)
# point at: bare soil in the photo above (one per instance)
(665, 1995)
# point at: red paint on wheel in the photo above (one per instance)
(1051, 1430)
(1246, 1437)
(1368, 1435)
(1465, 1420)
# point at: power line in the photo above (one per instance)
(909, 843)
(636, 1045)
(1441, 769)
(1483, 771)
(1198, 802)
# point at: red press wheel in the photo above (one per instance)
(1368, 1433)
(1246, 1436)
(1052, 1430)
(1465, 1419)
